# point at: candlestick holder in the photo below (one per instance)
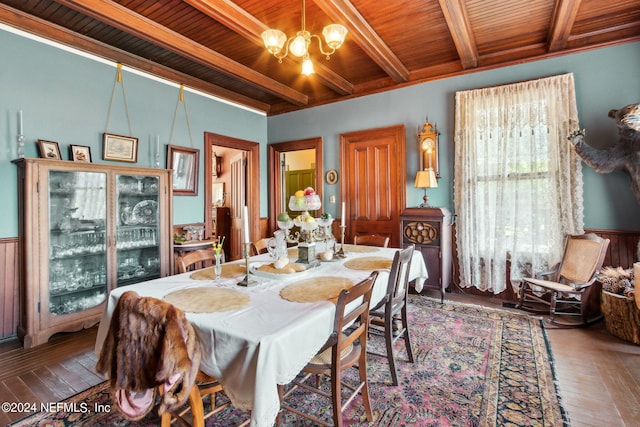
(340, 253)
(157, 161)
(20, 146)
(248, 281)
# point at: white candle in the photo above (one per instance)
(245, 219)
(20, 122)
(157, 144)
(343, 215)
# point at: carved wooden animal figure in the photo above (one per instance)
(624, 156)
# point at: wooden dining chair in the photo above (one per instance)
(389, 316)
(196, 260)
(259, 246)
(134, 359)
(345, 348)
(371, 240)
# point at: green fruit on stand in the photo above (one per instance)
(284, 217)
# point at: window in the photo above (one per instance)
(518, 183)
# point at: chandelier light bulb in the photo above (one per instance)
(298, 46)
(307, 66)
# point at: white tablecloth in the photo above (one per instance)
(270, 340)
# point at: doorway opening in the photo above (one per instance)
(305, 172)
(240, 179)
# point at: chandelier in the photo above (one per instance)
(298, 45)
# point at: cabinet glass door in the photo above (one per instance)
(77, 248)
(137, 237)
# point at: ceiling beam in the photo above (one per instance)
(126, 20)
(564, 15)
(50, 31)
(342, 11)
(455, 14)
(240, 21)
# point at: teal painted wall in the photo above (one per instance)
(605, 78)
(65, 98)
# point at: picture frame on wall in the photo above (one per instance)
(120, 148)
(183, 161)
(80, 153)
(49, 150)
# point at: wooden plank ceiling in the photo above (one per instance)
(215, 45)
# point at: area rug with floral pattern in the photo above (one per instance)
(473, 366)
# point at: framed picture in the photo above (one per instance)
(183, 161)
(80, 153)
(331, 176)
(120, 148)
(49, 150)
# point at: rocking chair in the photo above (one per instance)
(569, 290)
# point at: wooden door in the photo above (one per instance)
(237, 200)
(373, 167)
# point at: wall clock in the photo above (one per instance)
(428, 145)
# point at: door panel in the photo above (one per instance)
(237, 201)
(374, 171)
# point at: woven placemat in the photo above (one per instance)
(207, 300)
(360, 248)
(229, 271)
(315, 289)
(368, 263)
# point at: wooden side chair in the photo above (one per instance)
(259, 246)
(345, 348)
(144, 326)
(567, 289)
(389, 316)
(196, 260)
(371, 240)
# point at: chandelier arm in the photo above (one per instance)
(327, 54)
(286, 49)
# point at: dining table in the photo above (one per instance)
(255, 337)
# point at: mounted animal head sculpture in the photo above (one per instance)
(624, 156)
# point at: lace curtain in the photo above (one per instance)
(518, 182)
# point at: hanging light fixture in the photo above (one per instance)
(298, 45)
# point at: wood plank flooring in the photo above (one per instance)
(599, 374)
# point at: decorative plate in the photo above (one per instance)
(145, 212)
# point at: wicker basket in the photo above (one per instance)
(621, 316)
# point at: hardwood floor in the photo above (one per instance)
(599, 374)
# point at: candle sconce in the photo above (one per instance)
(20, 137)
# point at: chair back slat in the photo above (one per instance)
(371, 240)
(196, 260)
(583, 258)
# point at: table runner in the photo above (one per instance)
(207, 300)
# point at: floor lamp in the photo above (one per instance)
(426, 179)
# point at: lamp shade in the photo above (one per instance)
(274, 40)
(334, 35)
(307, 66)
(426, 179)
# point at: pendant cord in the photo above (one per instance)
(120, 81)
(186, 115)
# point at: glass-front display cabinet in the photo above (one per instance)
(85, 229)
